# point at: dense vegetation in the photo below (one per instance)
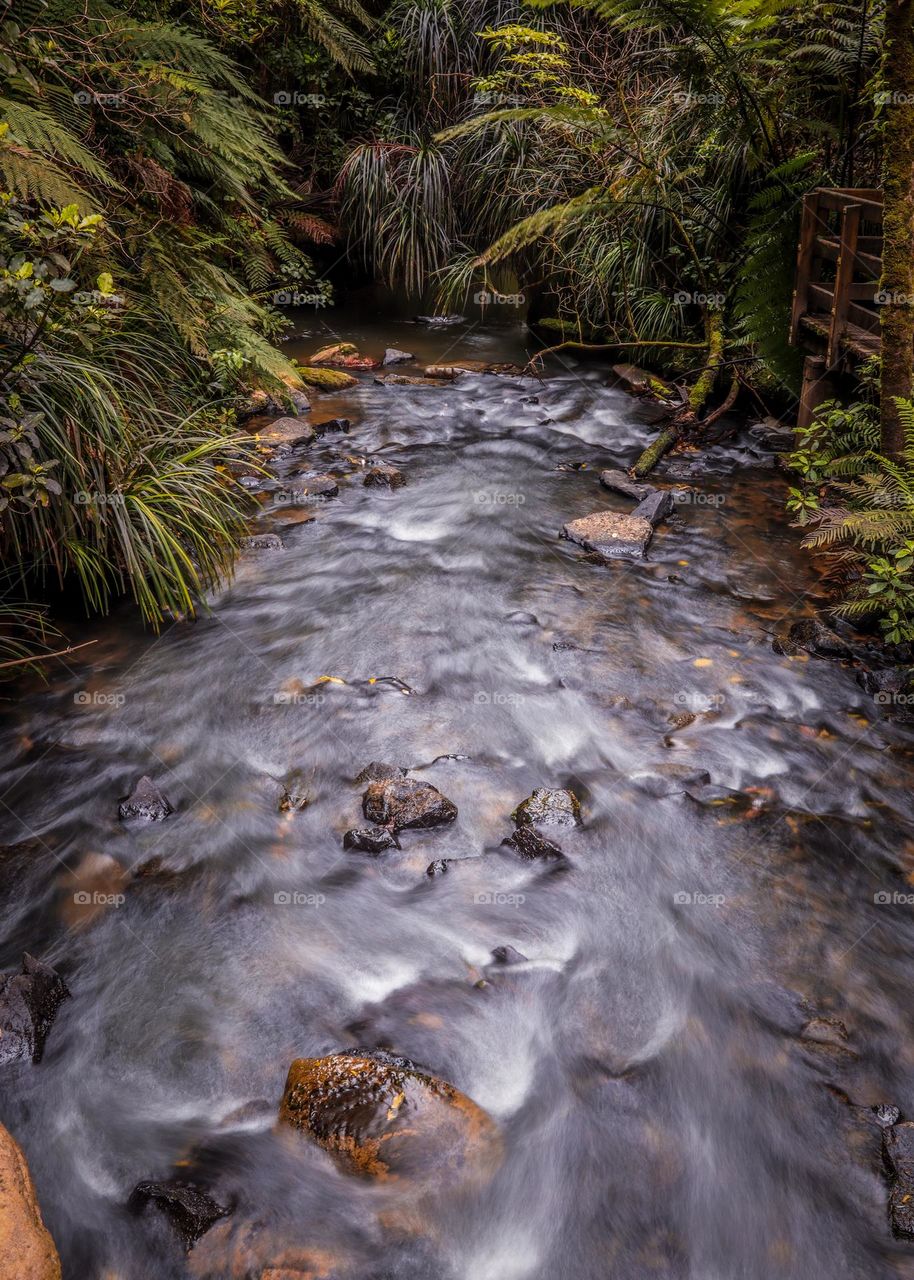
(629, 171)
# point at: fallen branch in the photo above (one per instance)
(668, 437)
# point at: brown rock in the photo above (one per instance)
(406, 802)
(384, 475)
(381, 1117)
(286, 433)
(27, 1251)
(610, 534)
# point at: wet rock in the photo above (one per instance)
(405, 380)
(507, 955)
(145, 802)
(898, 1146)
(190, 1210)
(886, 1115)
(531, 846)
(332, 426)
(381, 1117)
(439, 867)
(670, 779)
(814, 637)
(261, 542)
(890, 680)
(440, 322)
(27, 1251)
(609, 534)
(546, 808)
(342, 355)
(292, 794)
(370, 839)
(298, 400)
(328, 380)
(406, 802)
(380, 771)
(383, 475)
(315, 485)
(28, 1006)
(286, 433)
(621, 482)
(654, 508)
(394, 356)
(445, 372)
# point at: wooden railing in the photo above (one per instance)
(839, 262)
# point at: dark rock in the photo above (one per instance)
(262, 542)
(531, 845)
(189, 1210)
(406, 802)
(898, 1145)
(813, 636)
(886, 1115)
(314, 484)
(370, 839)
(332, 425)
(380, 771)
(439, 867)
(394, 356)
(890, 680)
(609, 534)
(28, 1006)
(146, 801)
(384, 475)
(299, 401)
(440, 322)
(507, 955)
(548, 808)
(654, 508)
(621, 482)
(383, 1118)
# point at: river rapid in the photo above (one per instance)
(662, 1109)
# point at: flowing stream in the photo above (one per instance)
(663, 1111)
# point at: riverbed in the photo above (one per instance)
(665, 1107)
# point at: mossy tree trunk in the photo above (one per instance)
(714, 334)
(897, 283)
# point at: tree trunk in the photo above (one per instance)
(897, 284)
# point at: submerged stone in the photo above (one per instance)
(549, 808)
(370, 839)
(381, 1117)
(406, 802)
(507, 955)
(28, 1006)
(146, 802)
(262, 542)
(383, 475)
(314, 484)
(610, 534)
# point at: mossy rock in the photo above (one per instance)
(383, 1118)
(326, 379)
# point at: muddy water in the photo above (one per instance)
(661, 1110)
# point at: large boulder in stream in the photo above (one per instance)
(381, 1117)
(28, 1006)
(610, 534)
(406, 802)
(27, 1251)
(548, 808)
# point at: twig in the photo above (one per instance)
(42, 657)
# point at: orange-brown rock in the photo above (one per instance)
(383, 1118)
(26, 1249)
